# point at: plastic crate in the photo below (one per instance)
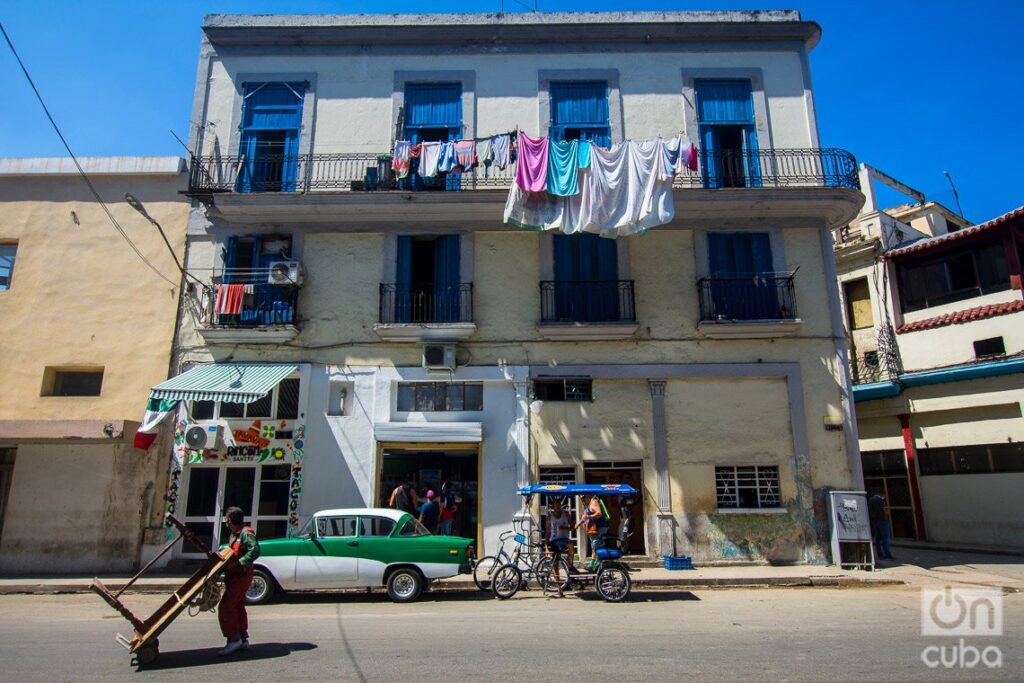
(678, 562)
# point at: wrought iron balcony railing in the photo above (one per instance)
(883, 364)
(769, 168)
(249, 298)
(587, 301)
(767, 296)
(426, 303)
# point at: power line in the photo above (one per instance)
(81, 171)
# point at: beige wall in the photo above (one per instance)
(80, 297)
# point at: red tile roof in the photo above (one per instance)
(977, 313)
(959, 234)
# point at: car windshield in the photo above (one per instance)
(412, 527)
(307, 528)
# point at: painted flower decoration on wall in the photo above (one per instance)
(278, 453)
(268, 431)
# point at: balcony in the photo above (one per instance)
(426, 312)
(587, 310)
(787, 186)
(755, 306)
(250, 306)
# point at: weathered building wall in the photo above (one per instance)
(973, 509)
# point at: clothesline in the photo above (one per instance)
(576, 186)
(455, 156)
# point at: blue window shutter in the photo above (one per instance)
(563, 258)
(607, 259)
(752, 161)
(433, 105)
(721, 101)
(761, 256)
(403, 279)
(583, 108)
(273, 106)
(710, 160)
(446, 278)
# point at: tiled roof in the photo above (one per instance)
(959, 234)
(977, 313)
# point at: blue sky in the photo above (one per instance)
(912, 87)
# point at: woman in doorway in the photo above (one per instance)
(595, 517)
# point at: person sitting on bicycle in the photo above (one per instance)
(595, 516)
(557, 539)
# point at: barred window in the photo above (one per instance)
(563, 389)
(749, 487)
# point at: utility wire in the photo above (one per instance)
(81, 171)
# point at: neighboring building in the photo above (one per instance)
(389, 330)
(935, 314)
(87, 329)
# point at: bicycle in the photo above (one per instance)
(528, 562)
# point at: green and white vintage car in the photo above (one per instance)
(359, 548)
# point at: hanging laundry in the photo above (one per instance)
(680, 154)
(229, 299)
(629, 193)
(532, 169)
(400, 159)
(584, 155)
(485, 152)
(465, 154)
(563, 168)
(430, 154)
(446, 160)
(501, 150)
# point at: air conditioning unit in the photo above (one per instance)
(285, 273)
(439, 356)
(204, 435)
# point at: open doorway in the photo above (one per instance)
(427, 469)
(619, 472)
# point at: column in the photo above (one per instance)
(915, 490)
(521, 431)
(666, 521)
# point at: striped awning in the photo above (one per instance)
(231, 382)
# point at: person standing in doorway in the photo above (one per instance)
(234, 622)
(881, 527)
(430, 513)
(448, 509)
(557, 541)
(404, 498)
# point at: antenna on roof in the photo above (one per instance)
(956, 195)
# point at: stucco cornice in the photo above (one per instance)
(563, 27)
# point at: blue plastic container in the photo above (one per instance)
(678, 562)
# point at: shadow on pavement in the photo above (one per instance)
(180, 659)
(647, 596)
(928, 558)
(362, 597)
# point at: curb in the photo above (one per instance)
(683, 583)
(1002, 552)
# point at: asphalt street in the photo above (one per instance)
(810, 634)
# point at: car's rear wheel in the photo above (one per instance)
(261, 589)
(405, 585)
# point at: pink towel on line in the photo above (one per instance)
(465, 154)
(532, 167)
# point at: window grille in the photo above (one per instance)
(749, 487)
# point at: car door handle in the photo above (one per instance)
(352, 543)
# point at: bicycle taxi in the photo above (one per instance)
(506, 574)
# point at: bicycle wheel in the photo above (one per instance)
(612, 583)
(507, 581)
(484, 570)
(545, 575)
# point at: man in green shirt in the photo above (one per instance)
(234, 622)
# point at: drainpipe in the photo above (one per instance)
(915, 490)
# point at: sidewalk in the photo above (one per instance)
(917, 564)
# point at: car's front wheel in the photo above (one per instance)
(405, 585)
(261, 589)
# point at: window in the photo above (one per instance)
(285, 396)
(7, 254)
(376, 526)
(986, 348)
(247, 261)
(586, 287)
(412, 527)
(743, 284)
(579, 111)
(269, 148)
(72, 382)
(747, 488)
(327, 527)
(728, 133)
(980, 459)
(428, 287)
(563, 389)
(858, 304)
(432, 113)
(981, 269)
(427, 397)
